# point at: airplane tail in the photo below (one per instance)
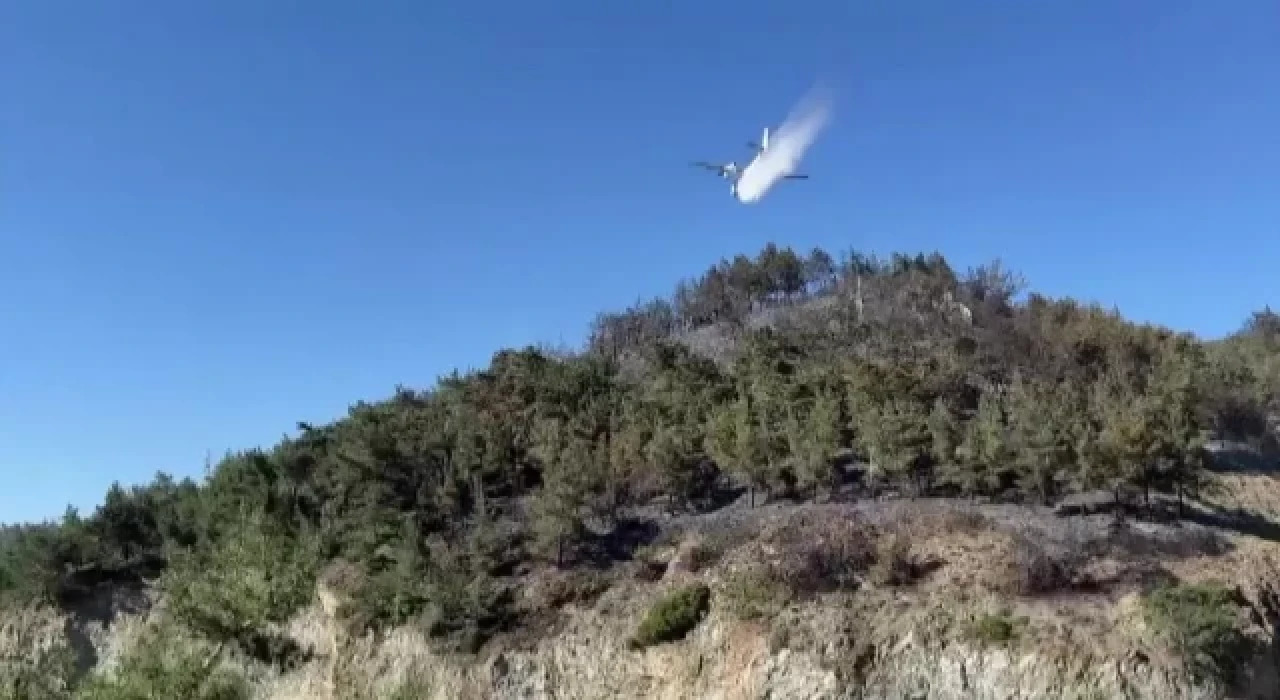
(764, 139)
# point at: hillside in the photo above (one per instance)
(796, 475)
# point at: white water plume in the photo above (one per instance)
(787, 146)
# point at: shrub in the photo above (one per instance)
(412, 688)
(924, 520)
(895, 563)
(830, 554)
(1033, 570)
(754, 594)
(234, 590)
(674, 616)
(650, 569)
(558, 588)
(164, 665)
(702, 555)
(998, 628)
(964, 519)
(1200, 623)
(718, 542)
(463, 613)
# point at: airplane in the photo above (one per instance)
(732, 172)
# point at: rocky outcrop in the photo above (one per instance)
(727, 659)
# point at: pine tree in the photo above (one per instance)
(1041, 439)
(944, 433)
(983, 450)
(813, 435)
(898, 442)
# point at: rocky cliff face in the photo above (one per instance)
(832, 650)
(725, 659)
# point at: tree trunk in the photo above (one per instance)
(477, 486)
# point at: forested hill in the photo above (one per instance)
(783, 376)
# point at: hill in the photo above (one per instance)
(832, 455)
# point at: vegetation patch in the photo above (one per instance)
(1201, 623)
(234, 591)
(895, 562)
(997, 629)
(820, 553)
(753, 594)
(1033, 569)
(166, 665)
(709, 548)
(35, 660)
(558, 588)
(674, 616)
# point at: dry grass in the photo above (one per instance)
(551, 589)
(923, 521)
(399, 665)
(1253, 493)
(1033, 569)
(813, 553)
(33, 652)
(29, 630)
(895, 562)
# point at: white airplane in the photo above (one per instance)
(733, 173)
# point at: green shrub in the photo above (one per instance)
(164, 665)
(414, 687)
(1200, 622)
(997, 628)
(235, 589)
(674, 616)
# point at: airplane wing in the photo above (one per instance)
(708, 166)
(795, 177)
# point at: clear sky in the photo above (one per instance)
(220, 218)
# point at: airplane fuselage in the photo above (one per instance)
(734, 173)
(737, 174)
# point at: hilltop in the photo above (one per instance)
(797, 474)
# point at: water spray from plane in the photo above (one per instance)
(780, 151)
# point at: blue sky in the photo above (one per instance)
(217, 219)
